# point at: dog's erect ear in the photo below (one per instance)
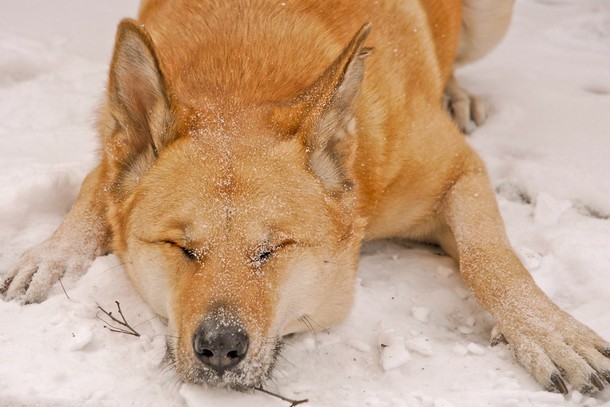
(322, 114)
(138, 97)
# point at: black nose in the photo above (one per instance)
(220, 346)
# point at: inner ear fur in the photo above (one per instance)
(138, 97)
(321, 115)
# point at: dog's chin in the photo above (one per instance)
(237, 379)
(249, 373)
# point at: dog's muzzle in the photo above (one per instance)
(220, 346)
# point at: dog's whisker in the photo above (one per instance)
(286, 360)
(307, 322)
(145, 321)
(117, 266)
(275, 380)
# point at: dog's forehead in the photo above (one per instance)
(214, 184)
(242, 167)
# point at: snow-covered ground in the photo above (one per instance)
(547, 145)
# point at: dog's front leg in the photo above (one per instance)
(81, 237)
(548, 342)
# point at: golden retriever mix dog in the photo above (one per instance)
(249, 147)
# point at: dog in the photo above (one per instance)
(248, 148)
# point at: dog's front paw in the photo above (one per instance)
(558, 351)
(40, 267)
(468, 111)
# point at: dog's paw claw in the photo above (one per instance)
(606, 375)
(604, 350)
(5, 284)
(597, 381)
(557, 384)
(596, 384)
(497, 337)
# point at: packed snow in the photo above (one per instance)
(416, 337)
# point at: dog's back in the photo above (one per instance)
(275, 49)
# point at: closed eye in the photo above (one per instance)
(265, 252)
(190, 254)
(265, 255)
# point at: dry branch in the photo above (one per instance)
(123, 327)
(293, 403)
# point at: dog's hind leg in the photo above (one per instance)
(81, 237)
(484, 24)
(554, 347)
(468, 111)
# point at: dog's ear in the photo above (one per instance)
(322, 115)
(138, 97)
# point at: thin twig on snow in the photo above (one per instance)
(293, 403)
(123, 327)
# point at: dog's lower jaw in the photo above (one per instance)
(249, 373)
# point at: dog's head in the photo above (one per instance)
(237, 223)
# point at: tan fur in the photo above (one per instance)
(484, 24)
(249, 147)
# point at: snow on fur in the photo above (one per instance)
(546, 143)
